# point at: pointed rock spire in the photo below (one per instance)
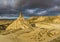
(20, 22)
(21, 16)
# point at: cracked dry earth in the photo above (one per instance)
(22, 30)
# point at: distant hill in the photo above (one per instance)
(48, 19)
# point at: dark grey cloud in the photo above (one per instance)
(10, 8)
(42, 12)
(9, 4)
(42, 3)
(17, 4)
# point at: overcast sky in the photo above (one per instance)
(13, 6)
(30, 3)
(43, 3)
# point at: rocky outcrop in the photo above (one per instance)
(34, 29)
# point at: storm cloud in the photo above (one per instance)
(16, 4)
(42, 3)
(12, 8)
(28, 3)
